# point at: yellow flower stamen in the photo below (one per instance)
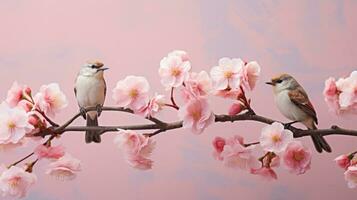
(11, 125)
(175, 71)
(276, 138)
(228, 74)
(298, 156)
(196, 115)
(134, 93)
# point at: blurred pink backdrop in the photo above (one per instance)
(44, 41)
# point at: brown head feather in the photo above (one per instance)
(280, 77)
(96, 64)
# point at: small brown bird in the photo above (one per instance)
(90, 90)
(293, 102)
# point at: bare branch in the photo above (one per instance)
(104, 108)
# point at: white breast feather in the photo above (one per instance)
(90, 91)
(288, 108)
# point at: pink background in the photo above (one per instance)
(44, 41)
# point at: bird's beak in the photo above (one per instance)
(270, 83)
(102, 69)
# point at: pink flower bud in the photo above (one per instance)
(27, 90)
(218, 144)
(34, 120)
(343, 161)
(235, 109)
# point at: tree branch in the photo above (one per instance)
(161, 126)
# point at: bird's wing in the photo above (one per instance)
(105, 88)
(301, 100)
(75, 89)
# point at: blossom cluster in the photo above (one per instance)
(136, 147)
(277, 144)
(22, 116)
(229, 80)
(349, 164)
(341, 95)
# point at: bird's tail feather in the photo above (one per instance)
(92, 136)
(320, 143)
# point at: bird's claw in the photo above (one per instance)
(83, 112)
(288, 125)
(99, 109)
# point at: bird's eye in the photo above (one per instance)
(279, 81)
(92, 66)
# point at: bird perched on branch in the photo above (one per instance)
(293, 102)
(90, 90)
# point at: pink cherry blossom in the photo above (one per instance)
(196, 115)
(17, 93)
(25, 105)
(155, 104)
(174, 71)
(15, 182)
(13, 124)
(43, 151)
(331, 94)
(236, 108)
(351, 176)
(218, 145)
(348, 88)
(229, 93)
(136, 147)
(227, 74)
(50, 99)
(65, 168)
(250, 74)
(267, 173)
(132, 92)
(182, 54)
(198, 84)
(275, 138)
(236, 155)
(297, 158)
(343, 161)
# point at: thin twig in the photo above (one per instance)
(250, 144)
(46, 118)
(22, 159)
(174, 105)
